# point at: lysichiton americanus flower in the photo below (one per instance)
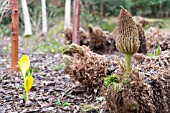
(28, 83)
(26, 71)
(24, 65)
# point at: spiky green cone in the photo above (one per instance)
(127, 40)
(127, 37)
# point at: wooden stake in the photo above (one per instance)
(76, 21)
(14, 34)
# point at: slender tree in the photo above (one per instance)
(101, 8)
(27, 22)
(67, 20)
(76, 20)
(44, 17)
(14, 34)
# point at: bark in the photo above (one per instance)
(14, 34)
(87, 6)
(44, 17)
(94, 8)
(67, 14)
(27, 23)
(76, 20)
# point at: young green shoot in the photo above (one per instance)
(60, 103)
(59, 67)
(115, 81)
(156, 53)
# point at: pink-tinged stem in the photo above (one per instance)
(76, 21)
(14, 34)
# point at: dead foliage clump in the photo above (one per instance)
(136, 96)
(84, 66)
(83, 35)
(142, 48)
(157, 70)
(140, 20)
(101, 41)
(148, 88)
(155, 38)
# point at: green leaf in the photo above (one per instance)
(59, 67)
(66, 104)
(111, 80)
(29, 72)
(151, 55)
(158, 51)
(58, 102)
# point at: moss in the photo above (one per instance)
(89, 108)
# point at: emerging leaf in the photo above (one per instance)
(66, 104)
(29, 72)
(111, 80)
(158, 51)
(150, 55)
(59, 67)
(58, 102)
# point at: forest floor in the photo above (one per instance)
(53, 90)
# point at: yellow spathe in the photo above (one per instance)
(24, 65)
(28, 82)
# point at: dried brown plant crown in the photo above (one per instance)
(84, 66)
(127, 40)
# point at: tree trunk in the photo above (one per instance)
(101, 8)
(87, 6)
(76, 21)
(44, 17)
(67, 14)
(14, 34)
(27, 23)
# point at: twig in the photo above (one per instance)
(121, 65)
(67, 91)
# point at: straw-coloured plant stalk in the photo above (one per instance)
(127, 39)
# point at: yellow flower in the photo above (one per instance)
(24, 65)
(28, 82)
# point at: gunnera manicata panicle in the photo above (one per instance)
(127, 39)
